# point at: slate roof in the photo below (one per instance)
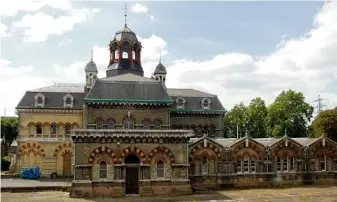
(53, 97)
(193, 99)
(128, 87)
(160, 69)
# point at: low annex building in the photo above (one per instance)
(129, 134)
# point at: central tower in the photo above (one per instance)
(125, 52)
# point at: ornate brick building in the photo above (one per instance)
(128, 134)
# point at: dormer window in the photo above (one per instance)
(180, 103)
(68, 101)
(39, 100)
(206, 103)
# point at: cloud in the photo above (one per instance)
(40, 26)
(138, 8)
(151, 17)
(306, 63)
(11, 8)
(3, 30)
(64, 41)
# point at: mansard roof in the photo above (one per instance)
(193, 100)
(127, 87)
(53, 97)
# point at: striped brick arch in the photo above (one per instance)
(100, 150)
(34, 147)
(200, 146)
(68, 145)
(163, 150)
(135, 150)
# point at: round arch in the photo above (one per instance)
(102, 149)
(135, 150)
(163, 150)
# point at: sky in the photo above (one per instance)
(236, 50)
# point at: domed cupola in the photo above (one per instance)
(160, 73)
(125, 52)
(91, 72)
(91, 66)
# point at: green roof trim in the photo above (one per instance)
(197, 110)
(127, 100)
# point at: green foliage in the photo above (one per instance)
(325, 123)
(290, 113)
(255, 118)
(5, 163)
(9, 127)
(234, 118)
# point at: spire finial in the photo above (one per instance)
(92, 53)
(125, 14)
(160, 56)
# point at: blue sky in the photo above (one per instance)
(234, 46)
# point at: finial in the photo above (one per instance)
(246, 132)
(160, 56)
(285, 133)
(125, 14)
(92, 54)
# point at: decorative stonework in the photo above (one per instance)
(180, 102)
(206, 104)
(68, 101)
(39, 100)
(135, 150)
(158, 150)
(31, 147)
(52, 123)
(68, 145)
(102, 149)
(200, 146)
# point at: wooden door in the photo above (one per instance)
(132, 180)
(67, 164)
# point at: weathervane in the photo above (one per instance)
(125, 14)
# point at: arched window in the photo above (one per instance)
(146, 124)
(157, 125)
(128, 124)
(68, 101)
(67, 129)
(252, 165)
(322, 162)
(38, 129)
(204, 165)
(111, 124)
(125, 55)
(160, 169)
(39, 100)
(99, 124)
(102, 169)
(246, 164)
(53, 129)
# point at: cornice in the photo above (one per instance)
(64, 111)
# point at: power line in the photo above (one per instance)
(320, 105)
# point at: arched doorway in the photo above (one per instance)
(67, 164)
(132, 174)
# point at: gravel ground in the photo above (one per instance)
(307, 194)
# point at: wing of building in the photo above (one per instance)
(129, 134)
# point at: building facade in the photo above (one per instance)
(129, 134)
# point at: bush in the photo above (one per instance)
(5, 163)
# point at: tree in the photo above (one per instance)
(234, 119)
(9, 127)
(289, 113)
(255, 116)
(325, 123)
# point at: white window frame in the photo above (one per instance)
(180, 102)
(37, 104)
(204, 105)
(68, 105)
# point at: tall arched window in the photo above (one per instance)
(99, 124)
(128, 124)
(39, 100)
(53, 129)
(68, 101)
(146, 124)
(204, 166)
(39, 129)
(322, 162)
(160, 169)
(67, 129)
(157, 125)
(111, 124)
(102, 169)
